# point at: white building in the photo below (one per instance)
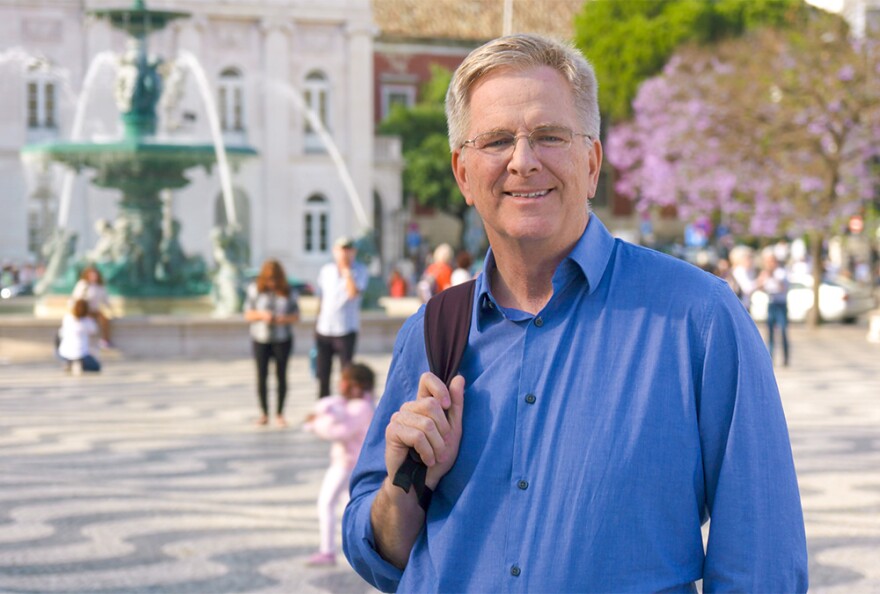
(291, 200)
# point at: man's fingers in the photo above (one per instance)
(414, 438)
(431, 386)
(456, 395)
(419, 432)
(434, 427)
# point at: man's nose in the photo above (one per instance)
(524, 159)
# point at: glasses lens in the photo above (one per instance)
(551, 137)
(494, 142)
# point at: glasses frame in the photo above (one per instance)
(515, 139)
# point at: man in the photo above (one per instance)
(340, 285)
(773, 280)
(611, 399)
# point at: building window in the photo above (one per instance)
(41, 97)
(316, 225)
(230, 100)
(317, 98)
(391, 95)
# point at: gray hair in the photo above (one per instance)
(520, 52)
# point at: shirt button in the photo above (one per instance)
(515, 571)
(539, 321)
(530, 398)
(523, 485)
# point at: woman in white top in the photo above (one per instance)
(741, 269)
(462, 272)
(90, 287)
(76, 329)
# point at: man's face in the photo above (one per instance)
(533, 196)
(344, 256)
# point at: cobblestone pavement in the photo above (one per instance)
(151, 477)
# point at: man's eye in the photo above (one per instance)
(496, 142)
(550, 138)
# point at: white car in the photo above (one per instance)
(840, 300)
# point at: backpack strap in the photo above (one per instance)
(447, 325)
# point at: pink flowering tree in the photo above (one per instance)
(772, 134)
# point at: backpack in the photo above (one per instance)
(447, 325)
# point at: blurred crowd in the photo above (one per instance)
(441, 269)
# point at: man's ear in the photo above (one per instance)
(460, 171)
(595, 165)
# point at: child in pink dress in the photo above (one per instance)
(344, 420)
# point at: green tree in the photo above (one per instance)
(630, 41)
(427, 177)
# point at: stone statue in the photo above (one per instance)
(57, 251)
(138, 82)
(174, 77)
(172, 260)
(229, 251)
(103, 250)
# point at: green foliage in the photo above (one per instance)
(434, 91)
(415, 124)
(429, 173)
(630, 41)
(428, 176)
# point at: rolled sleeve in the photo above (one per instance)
(359, 546)
(358, 542)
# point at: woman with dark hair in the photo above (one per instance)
(90, 287)
(271, 308)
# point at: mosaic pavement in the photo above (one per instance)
(151, 477)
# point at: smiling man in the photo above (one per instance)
(611, 399)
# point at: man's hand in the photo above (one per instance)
(431, 424)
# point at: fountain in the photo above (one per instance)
(139, 254)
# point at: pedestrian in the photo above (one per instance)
(344, 420)
(90, 287)
(396, 284)
(340, 286)
(610, 400)
(437, 275)
(462, 272)
(271, 308)
(722, 270)
(742, 272)
(77, 328)
(773, 280)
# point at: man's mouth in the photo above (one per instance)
(538, 194)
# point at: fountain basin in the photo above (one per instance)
(137, 165)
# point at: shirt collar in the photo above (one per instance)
(590, 254)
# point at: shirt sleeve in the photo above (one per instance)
(361, 277)
(90, 325)
(408, 362)
(292, 303)
(79, 290)
(250, 300)
(756, 532)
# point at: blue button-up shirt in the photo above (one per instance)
(598, 436)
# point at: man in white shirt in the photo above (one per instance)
(340, 285)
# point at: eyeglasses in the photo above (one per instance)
(500, 143)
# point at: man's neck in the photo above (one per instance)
(523, 275)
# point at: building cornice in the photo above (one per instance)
(438, 47)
